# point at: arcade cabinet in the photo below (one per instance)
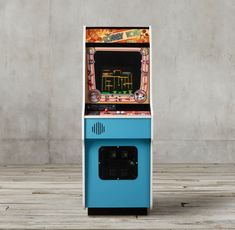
(117, 120)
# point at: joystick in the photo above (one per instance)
(106, 111)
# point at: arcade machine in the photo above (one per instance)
(117, 120)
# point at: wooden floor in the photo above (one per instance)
(50, 197)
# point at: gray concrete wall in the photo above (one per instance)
(41, 76)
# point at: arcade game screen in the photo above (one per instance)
(117, 72)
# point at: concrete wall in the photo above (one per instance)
(41, 76)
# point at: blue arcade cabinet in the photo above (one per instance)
(117, 121)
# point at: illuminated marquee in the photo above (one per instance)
(117, 35)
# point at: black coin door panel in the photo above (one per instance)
(118, 162)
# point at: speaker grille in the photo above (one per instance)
(98, 128)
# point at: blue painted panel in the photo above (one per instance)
(99, 128)
(117, 193)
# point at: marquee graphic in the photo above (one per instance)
(117, 35)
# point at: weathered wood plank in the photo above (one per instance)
(192, 196)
